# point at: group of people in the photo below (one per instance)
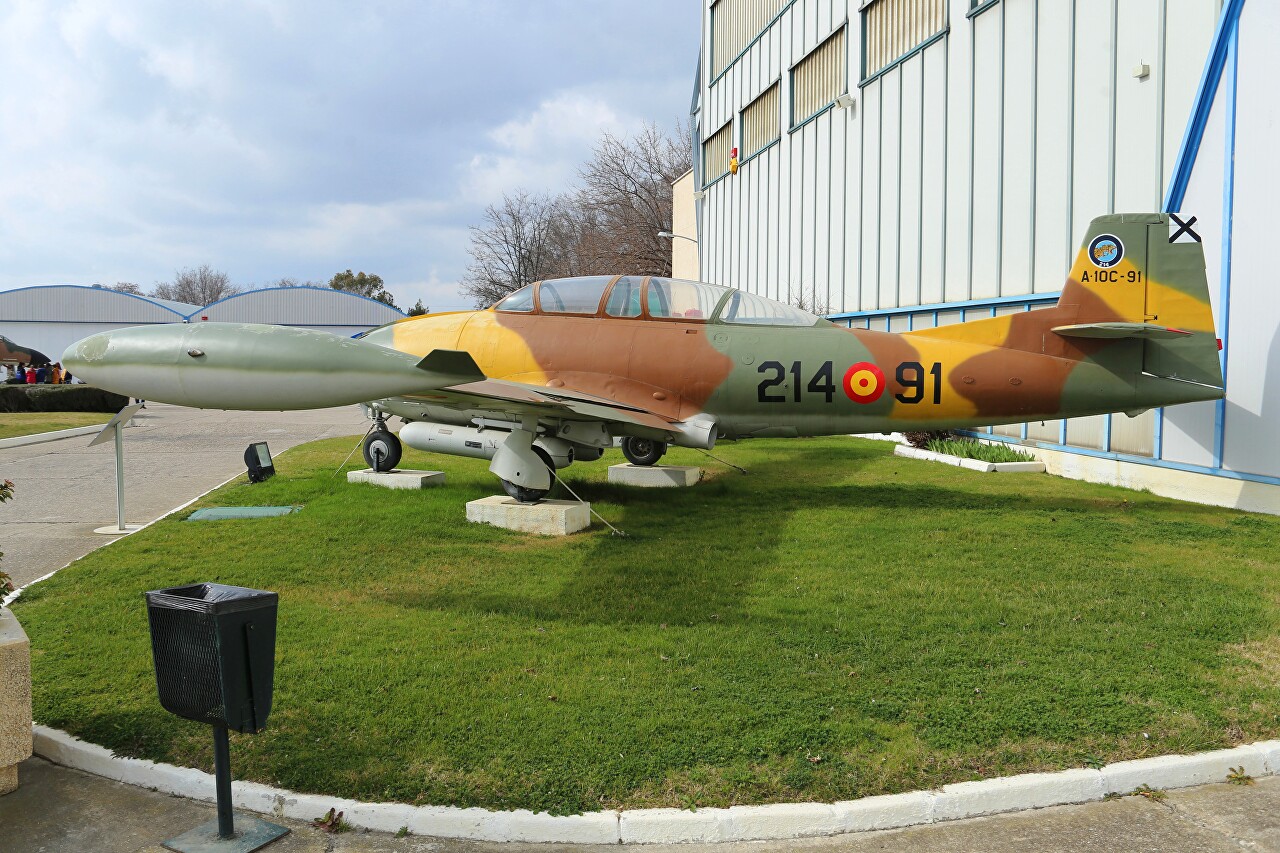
(32, 374)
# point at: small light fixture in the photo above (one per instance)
(845, 102)
(699, 195)
(257, 458)
(1142, 70)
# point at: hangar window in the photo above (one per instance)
(818, 79)
(749, 309)
(735, 24)
(715, 153)
(894, 29)
(572, 295)
(761, 125)
(521, 300)
(674, 299)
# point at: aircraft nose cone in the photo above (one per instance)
(80, 357)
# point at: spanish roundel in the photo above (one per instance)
(864, 382)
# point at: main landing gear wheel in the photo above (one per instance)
(382, 450)
(526, 495)
(643, 451)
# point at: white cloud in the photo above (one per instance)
(542, 150)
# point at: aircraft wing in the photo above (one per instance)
(502, 397)
(461, 384)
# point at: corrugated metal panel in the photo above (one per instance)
(75, 304)
(818, 78)
(894, 28)
(761, 122)
(715, 153)
(734, 23)
(300, 306)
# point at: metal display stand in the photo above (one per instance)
(113, 429)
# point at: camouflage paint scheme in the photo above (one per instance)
(1132, 330)
(1000, 370)
(11, 352)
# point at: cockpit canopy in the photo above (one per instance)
(653, 298)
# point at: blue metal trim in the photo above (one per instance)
(980, 8)
(145, 299)
(1157, 449)
(750, 44)
(742, 163)
(820, 112)
(299, 287)
(866, 81)
(1203, 105)
(1028, 298)
(1228, 214)
(1128, 457)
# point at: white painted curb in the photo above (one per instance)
(668, 826)
(971, 464)
(41, 437)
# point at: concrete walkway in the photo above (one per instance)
(57, 810)
(65, 489)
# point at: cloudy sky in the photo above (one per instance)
(297, 138)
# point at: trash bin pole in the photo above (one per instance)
(222, 781)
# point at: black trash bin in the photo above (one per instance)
(214, 648)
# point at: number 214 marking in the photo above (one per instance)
(911, 375)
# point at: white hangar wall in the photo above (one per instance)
(957, 180)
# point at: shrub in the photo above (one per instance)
(920, 440)
(59, 398)
(969, 448)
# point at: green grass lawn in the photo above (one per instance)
(837, 623)
(14, 424)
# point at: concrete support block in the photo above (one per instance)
(1181, 771)
(1013, 793)
(654, 476)
(15, 699)
(549, 518)
(397, 479)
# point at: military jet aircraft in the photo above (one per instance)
(11, 353)
(556, 371)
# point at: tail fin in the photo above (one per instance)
(1143, 274)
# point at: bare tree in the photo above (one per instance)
(199, 286)
(607, 227)
(516, 246)
(627, 185)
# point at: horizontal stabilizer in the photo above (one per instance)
(1118, 330)
(451, 367)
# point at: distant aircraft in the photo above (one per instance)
(556, 371)
(11, 352)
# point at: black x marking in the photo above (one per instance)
(1183, 228)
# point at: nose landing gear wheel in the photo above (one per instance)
(382, 450)
(643, 451)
